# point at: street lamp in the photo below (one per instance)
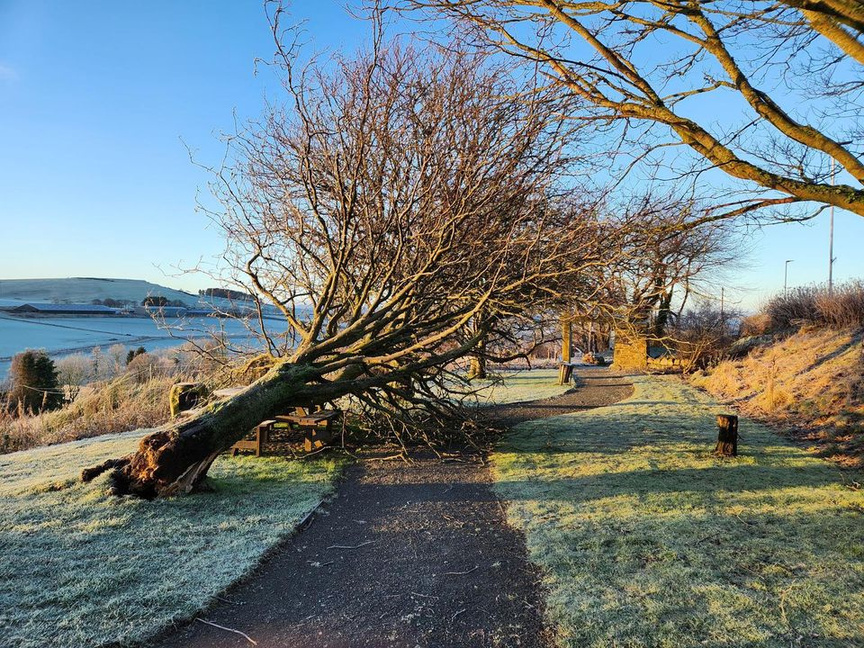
(786, 275)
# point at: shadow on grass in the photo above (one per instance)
(648, 539)
(702, 483)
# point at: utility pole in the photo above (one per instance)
(831, 240)
(786, 276)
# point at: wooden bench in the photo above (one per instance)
(262, 436)
(316, 427)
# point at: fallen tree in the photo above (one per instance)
(397, 210)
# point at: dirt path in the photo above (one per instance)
(409, 555)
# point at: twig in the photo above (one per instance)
(312, 453)
(708, 537)
(783, 594)
(216, 625)
(362, 544)
(502, 507)
(461, 573)
(424, 595)
(313, 563)
(453, 618)
(307, 518)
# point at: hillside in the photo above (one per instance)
(811, 382)
(85, 289)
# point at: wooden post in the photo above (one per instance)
(727, 437)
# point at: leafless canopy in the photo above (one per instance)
(767, 91)
(664, 261)
(399, 208)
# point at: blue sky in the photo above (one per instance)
(97, 99)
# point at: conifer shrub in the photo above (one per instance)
(34, 383)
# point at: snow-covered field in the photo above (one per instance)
(84, 289)
(63, 335)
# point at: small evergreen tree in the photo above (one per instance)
(134, 354)
(34, 383)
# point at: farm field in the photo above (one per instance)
(646, 538)
(63, 335)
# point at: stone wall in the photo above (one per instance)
(630, 352)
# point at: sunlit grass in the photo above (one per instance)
(647, 539)
(82, 568)
(520, 386)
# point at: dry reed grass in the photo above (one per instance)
(841, 308)
(115, 406)
(812, 381)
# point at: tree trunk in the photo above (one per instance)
(477, 368)
(727, 437)
(175, 459)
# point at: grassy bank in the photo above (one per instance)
(81, 568)
(116, 406)
(647, 539)
(812, 380)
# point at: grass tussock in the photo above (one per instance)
(812, 381)
(646, 538)
(113, 406)
(82, 568)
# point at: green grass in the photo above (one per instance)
(520, 386)
(646, 539)
(82, 568)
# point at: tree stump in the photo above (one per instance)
(727, 437)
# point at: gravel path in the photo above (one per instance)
(406, 554)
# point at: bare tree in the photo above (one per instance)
(668, 254)
(395, 210)
(766, 91)
(703, 334)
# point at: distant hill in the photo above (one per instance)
(225, 293)
(83, 290)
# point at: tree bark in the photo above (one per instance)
(175, 459)
(477, 359)
(727, 437)
(477, 368)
